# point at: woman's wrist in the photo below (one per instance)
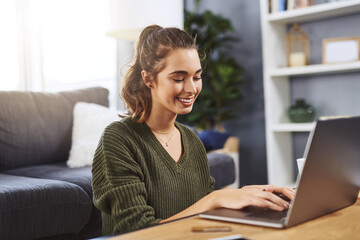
(214, 200)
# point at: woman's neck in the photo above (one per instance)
(161, 122)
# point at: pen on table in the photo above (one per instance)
(211, 229)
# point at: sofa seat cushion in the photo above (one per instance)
(32, 208)
(57, 171)
(60, 171)
(222, 169)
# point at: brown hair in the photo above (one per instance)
(154, 45)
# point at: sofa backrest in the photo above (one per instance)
(36, 127)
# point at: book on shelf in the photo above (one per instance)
(302, 3)
(290, 4)
(282, 5)
(276, 6)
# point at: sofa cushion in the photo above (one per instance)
(84, 142)
(57, 171)
(213, 140)
(32, 208)
(35, 127)
(222, 169)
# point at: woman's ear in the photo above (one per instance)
(146, 76)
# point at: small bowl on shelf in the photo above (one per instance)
(301, 112)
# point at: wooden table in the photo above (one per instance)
(342, 224)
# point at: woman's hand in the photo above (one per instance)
(288, 192)
(255, 195)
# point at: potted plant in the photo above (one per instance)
(222, 75)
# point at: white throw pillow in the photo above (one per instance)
(89, 123)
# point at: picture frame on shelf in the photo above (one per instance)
(340, 50)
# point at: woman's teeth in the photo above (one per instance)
(186, 100)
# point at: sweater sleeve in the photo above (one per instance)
(119, 191)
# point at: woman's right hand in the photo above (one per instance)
(258, 196)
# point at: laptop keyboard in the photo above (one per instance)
(265, 213)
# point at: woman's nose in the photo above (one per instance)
(190, 86)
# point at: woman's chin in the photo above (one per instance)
(184, 111)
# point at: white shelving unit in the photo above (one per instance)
(277, 85)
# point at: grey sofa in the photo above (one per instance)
(40, 197)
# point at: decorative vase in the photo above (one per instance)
(301, 112)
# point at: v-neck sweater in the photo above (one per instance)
(136, 183)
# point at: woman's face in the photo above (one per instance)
(179, 83)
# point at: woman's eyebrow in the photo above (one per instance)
(184, 72)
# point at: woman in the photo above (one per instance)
(149, 169)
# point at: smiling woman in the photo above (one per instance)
(148, 168)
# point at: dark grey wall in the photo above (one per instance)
(250, 123)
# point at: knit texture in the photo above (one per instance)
(135, 181)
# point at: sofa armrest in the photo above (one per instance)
(231, 147)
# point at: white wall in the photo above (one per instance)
(54, 45)
(137, 14)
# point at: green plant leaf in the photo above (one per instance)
(222, 75)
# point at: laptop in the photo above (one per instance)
(330, 178)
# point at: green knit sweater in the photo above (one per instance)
(135, 181)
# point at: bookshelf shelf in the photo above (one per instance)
(315, 69)
(316, 12)
(292, 127)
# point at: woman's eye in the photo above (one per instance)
(197, 78)
(178, 80)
